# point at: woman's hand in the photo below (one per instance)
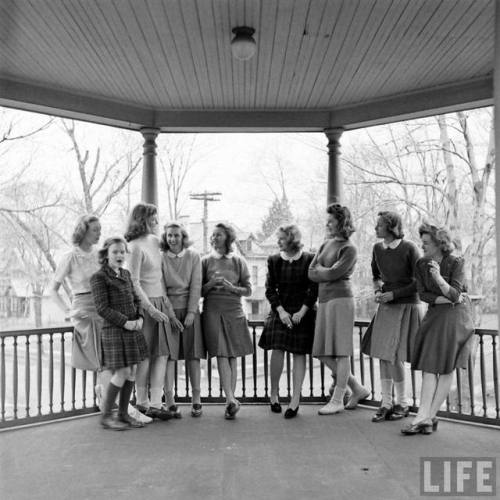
(384, 297)
(140, 322)
(285, 317)
(176, 325)
(157, 315)
(130, 325)
(189, 320)
(435, 270)
(297, 317)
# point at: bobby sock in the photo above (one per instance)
(386, 390)
(400, 393)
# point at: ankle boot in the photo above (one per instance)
(107, 420)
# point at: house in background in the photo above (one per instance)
(254, 253)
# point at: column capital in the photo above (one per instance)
(150, 132)
(333, 134)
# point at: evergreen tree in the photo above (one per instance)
(279, 214)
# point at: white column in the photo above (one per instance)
(149, 176)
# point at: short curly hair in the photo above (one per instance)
(230, 236)
(138, 220)
(344, 218)
(293, 236)
(102, 253)
(393, 223)
(441, 236)
(186, 242)
(81, 228)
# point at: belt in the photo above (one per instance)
(83, 293)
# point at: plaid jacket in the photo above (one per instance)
(114, 297)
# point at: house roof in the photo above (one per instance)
(319, 63)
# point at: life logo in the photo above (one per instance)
(458, 476)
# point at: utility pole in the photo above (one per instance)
(205, 197)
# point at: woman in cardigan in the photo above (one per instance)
(144, 263)
(290, 324)
(332, 268)
(225, 279)
(444, 338)
(398, 315)
(181, 270)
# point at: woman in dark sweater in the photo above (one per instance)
(332, 268)
(398, 315)
(444, 338)
(290, 324)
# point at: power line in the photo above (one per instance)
(205, 197)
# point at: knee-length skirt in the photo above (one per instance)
(190, 344)
(394, 330)
(122, 347)
(86, 348)
(297, 340)
(159, 336)
(225, 329)
(444, 339)
(333, 333)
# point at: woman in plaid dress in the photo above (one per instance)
(123, 344)
(290, 324)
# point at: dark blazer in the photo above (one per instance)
(114, 297)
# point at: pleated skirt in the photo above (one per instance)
(444, 339)
(225, 328)
(159, 336)
(86, 349)
(122, 348)
(333, 334)
(190, 343)
(394, 331)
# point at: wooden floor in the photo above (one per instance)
(260, 455)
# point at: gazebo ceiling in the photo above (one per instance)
(319, 63)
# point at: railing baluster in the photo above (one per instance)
(73, 388)
(15, 380)
(243, 376)
(459, 390)
(495, 375)
(39, 372)
(288, 375)
(84, 388)
(2, 378)
(51, 373)
(62, 372)
(311, 375)
(186, 377)
(470, 373)
(266, 374)
(209, 376)
(482, 374)
(176, 375)
(94, 383)
(254, 361)
(27, 376)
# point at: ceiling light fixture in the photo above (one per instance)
(243, 44)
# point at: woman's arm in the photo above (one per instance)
(345, 262)
(272, 293)
(244, 287)
(195, 285)
(424, 294)
(312, 273)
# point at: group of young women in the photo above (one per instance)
(133, 324)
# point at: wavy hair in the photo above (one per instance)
(102, 253)
(441, 236)
(393, 223)
(230, 236)
(293, 236)
(343, 215)
(81, 228)
(138, 220)
(186, 242)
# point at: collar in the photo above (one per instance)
(285, 257)
(107, 269)
(392, 245)
(217, 255)
(173, 255)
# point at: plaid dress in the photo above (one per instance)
(117, 302)
(287, 285)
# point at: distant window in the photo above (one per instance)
(249, 245)
(255, 307)
(255, 275)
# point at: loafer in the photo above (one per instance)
(289, 413)
(331, 408)
(112, 424)
(174, 411)
(153, 412)
(435, 423)
(233, 408)
(196, 410)
(347, 394)
(276, 407)
(135, 413)
(383, 413)
(399, 412)
(423, 427)
(131, 421)
(355, 398)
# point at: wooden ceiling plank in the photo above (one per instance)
(348, 32)
(252, 17)
(367, 43)
(451, 47)
(435, 32)
(320, 21)
(293, 45)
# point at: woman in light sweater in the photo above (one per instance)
(398, 315)
(332, 268)
(159, 318)
(181, 270)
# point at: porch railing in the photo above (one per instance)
(37, 382)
